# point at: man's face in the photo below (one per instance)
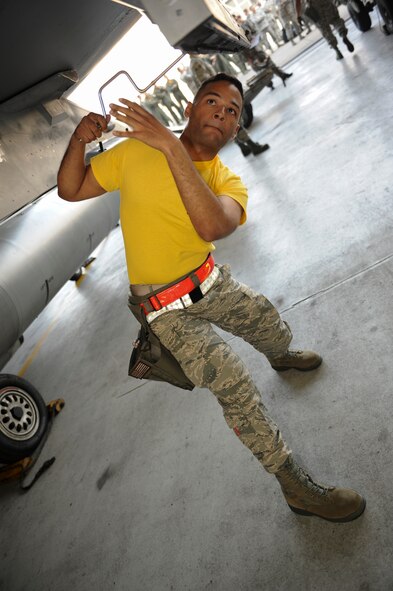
(214, 115)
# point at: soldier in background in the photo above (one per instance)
(305, 22)
(289, 18)
(152, 104)
(261, 21)
(164, 98)
(325, 16)
(259, 60)
(239, 61)
(174, 91)
(272, 16)
(247, 145)
(222, 63)
(201, 68)
(252, 30)
(187, 77)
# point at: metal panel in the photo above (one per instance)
(41, 248)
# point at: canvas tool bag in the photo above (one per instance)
(150, 360)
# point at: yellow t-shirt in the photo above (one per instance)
(161, 244)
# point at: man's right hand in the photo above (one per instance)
(75, 181)
(91, 127)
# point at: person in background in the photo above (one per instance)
(165, 100)
(289, 17)
(325, 15)
(188, 79)
(152, 104)
(222, 63)
(173, 89)
(239, 61)
(259, 60)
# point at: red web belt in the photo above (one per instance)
(184, 287)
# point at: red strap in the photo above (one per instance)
(169, 295)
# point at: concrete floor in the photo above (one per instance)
(150, 490)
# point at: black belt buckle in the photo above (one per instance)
(196, 295)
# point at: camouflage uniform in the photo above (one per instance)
(262, 24)
(174, 90)
(239, 61)
(187, 77)
(328, 16)
(209, 362)
(223, 64)
(260, 60)
(162, 94)
(151, 104)
(201, 69)
(289, 17)
(274, 29)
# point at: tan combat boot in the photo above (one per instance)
(300, 360)
(306, 497)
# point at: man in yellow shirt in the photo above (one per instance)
(177, 197)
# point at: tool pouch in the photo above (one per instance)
(150, 360)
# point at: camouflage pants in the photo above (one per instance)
(209, 362)
(289, 17)
(328, 16)
(242, 135)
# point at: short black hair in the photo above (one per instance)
(217, 78)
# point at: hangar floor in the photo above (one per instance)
(150, 490)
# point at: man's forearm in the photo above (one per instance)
(203, 206)
(72, 169)
(73, 179)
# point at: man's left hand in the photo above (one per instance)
(141, 125)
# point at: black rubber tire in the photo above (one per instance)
(248, 115)
(24, 418)
(385, 7)
(360, 17)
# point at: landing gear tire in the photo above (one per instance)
(248, 115)
(385, 7)
(24, 418)
(359, 15)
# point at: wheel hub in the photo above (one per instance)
(19, 416)
(17, 413)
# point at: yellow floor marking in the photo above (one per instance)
(36, 349)
(41, 341)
